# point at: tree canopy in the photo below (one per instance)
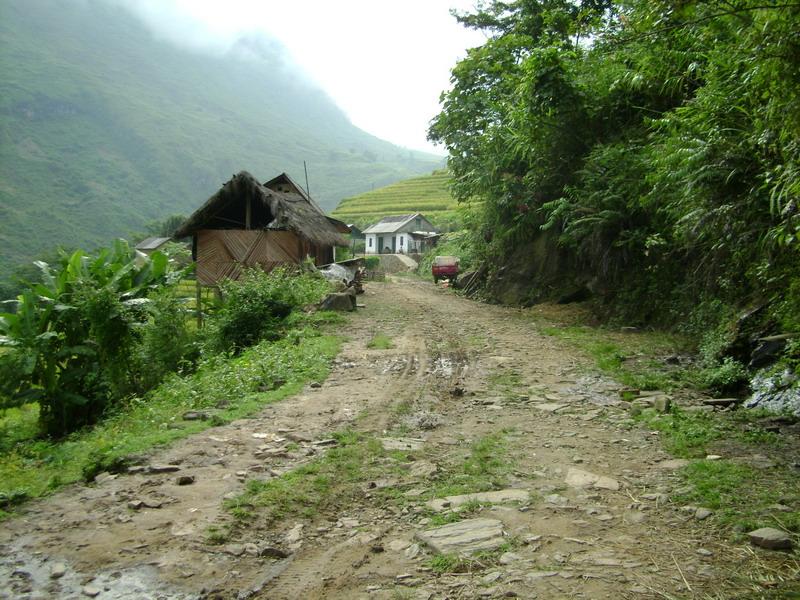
(660, 140)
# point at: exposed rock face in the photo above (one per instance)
(537, 271)
(778, 393)
(463, 279)
(768, 350)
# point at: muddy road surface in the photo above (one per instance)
(468, 395)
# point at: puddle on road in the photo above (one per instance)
(29, 576)
(447, 366)
(399, 364)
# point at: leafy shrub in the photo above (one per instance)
(727, 378)
(256, 306)
(343, 253)
(788, 310)
(372, 262)
(166, 343)
(69, 341)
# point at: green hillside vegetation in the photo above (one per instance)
(428, 195)
(642, 152)
(104, 127)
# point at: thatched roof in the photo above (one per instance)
(284, 183)
(284, 178)
(286, 212)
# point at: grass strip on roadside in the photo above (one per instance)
(630, 357)
(227, 388)
(743, 496)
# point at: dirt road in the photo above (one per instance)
(590, 516)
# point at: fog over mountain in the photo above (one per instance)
(113, 114)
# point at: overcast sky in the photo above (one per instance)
(384, 63)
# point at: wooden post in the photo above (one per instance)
(247, 212)
(198, 297)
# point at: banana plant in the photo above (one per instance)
(65, 346)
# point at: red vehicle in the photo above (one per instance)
(444, 267)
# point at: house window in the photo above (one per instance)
(401, 241)
(370, 242)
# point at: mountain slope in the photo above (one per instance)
(427, 194)
(103, 127)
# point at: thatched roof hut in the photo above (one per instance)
(284, 183)
(247, 224)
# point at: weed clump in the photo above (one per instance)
(380, 341)
(257, 306)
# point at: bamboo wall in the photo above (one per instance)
(223, 253)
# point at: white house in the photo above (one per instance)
(399, 235)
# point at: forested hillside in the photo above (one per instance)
(105, 127)
(646, 150)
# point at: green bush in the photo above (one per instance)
(372, 262)
(788, 310)
(728, 377)
(166, 342)
(255, 307)
(69, 341)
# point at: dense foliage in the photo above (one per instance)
(257, 306)
(660, 140)
(71, 342)
(101, 329)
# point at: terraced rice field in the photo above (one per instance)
(427, 194)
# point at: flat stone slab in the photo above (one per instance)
(583, 479)
(771, 538)
(464, 537)
(550, 407)
(402, 443)
(496, 497)
(423, 469)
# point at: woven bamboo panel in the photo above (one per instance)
(223, 254)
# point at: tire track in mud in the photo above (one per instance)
(429, 376)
